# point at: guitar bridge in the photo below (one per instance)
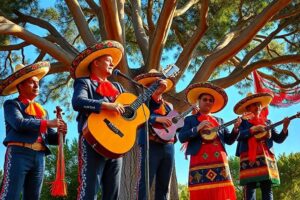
(112, 127)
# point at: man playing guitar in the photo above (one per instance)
(93, 93)
(209, 174)
(258, 166)
(161, 153)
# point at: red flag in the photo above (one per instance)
(282, 97)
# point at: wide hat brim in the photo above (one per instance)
(9, 85)
(79, 67)
(149, 78)
(263, 98)
(195, 90)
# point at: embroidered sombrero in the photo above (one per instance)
(9, 85)
(195, 90)
(148, 78)
(79, 67)
(263, 98)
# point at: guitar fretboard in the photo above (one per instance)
(281, 122)
(224, 125)
(183, 114)
(142, 98)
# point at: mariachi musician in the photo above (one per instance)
(209, 174)
(258, 166)
(28, 133)
(93, 92)
(161, 152)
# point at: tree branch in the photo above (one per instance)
(180, 38)
(291, 43)
(59, 67)
(113, 27)
(288, 14)
(55, 88)
(238, 75)
(239, 42)
(276, 81)
(184, 8)
(81, 24)
(40, 57)
(13, 46)
(269, 52)
(9, 28)
(160, 34)
(240, 9)
(98, 11)
(46, 25)
(288, 34)
(111, 19)
(149, 18)
(283, 71)
(139, 31)
(121, 9)
(186, 54)
(263, 44)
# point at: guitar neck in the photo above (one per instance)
(225, 125)
(185, 113)
(142, 98)
(280, 122)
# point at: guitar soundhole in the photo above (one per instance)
(129, 113)
(174, 120)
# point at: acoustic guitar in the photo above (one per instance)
(167, 133)
(112, 134)
(264, 135)
(209, 135)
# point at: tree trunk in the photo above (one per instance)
(130, 177)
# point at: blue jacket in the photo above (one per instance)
(245, 134)
(153, 105)
(21, 127)
(189, 134)
(86, 100)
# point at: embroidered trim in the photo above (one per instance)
(6, 180)
(82, 169)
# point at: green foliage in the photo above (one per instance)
(71, 161)
(183, 192)
(70, 153)
(11, 5)
(288, 166)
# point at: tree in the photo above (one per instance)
(218, 40)
(288, 166)
(234, 164)
(183, 192)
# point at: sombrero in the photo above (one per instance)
(263, 98)
(195, 90)
(9, 85)
(150, 77)
(79, 67)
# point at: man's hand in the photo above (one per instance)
(204, 125)
(257, 129)
(113, 107)
(286, 123)
(163, 120)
